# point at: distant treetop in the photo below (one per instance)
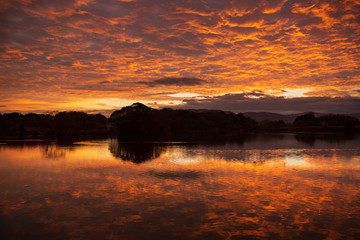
(135, 107)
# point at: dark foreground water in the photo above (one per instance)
(273, 187)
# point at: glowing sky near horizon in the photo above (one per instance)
(250, 55)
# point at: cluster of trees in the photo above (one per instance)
(139, 122)
(62, 124)
(327, 121)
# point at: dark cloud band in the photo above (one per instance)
(245, 102)
(173, 81)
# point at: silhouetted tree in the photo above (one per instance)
(306, 120)
(139, 122)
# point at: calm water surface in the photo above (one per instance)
(267, 187)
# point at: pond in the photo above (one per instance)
(262, 187)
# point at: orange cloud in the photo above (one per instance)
(69, 48)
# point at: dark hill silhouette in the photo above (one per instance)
(355, 115)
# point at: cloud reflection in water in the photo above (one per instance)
(89, 194)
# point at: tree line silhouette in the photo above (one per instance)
(139, 122)
(43, 125)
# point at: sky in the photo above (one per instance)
(283, 56)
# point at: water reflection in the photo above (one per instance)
(311, 139)
(175, 174)
(135, 152)
(53, 151)
(266, 188)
